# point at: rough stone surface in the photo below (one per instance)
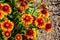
(54, 8)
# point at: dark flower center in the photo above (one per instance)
(48, 26)
(7, 25)
(30, 32)
(5, 8)
(7, 34)
(27, 18)
(18, 37)
(44, 11)
(40, 21)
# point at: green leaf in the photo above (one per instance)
(32, 26)
(35, 13)
(23, 30)
(0, 38)
(30, 10)
(37, 32)
(30, 3)
(13, 1)
(15, 9)
(10, 16)
(2, 0)
(0, 20)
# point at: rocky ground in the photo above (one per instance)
(54, 8)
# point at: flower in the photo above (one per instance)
(6, 8)
(34, 18)
(1, 14)
(7, 34)
(7, 25)
(40, 22)
(27, 18)
(44, 12)
(1, 5)
(0, 24)
(18, 37)
(44, 5)
(48, 27)
(30, 33)
(23, 6)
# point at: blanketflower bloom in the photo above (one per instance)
(23, 5)
(7, 34)
(1, 5)
(6, 8)
(44, 12)
(7, 25)
(1, 14)
(27, 18)
(30, 33)
(34, 18)
(40, 22)
(0, 24)
(44, 5)
(48, 27)
(18, 37)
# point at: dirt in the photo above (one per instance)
(54, 9)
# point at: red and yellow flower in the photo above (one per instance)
(34, 18)
(0, 24)
(18, 37)
(44, 12)
(6, 8)
(1, 14)
(1, 5)
(7, 25)
(48, 27)
(7, 34)
(23, 6)
(30, 33)
(40, 22)
(27, 18)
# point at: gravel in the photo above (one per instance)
(54, 9)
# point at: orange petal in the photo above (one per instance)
(1, 14)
